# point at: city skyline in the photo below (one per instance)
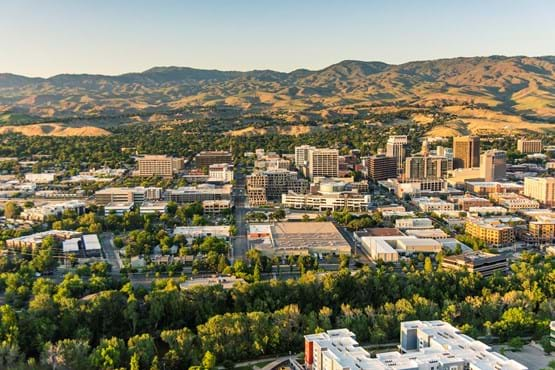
(113, 38)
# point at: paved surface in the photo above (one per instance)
(531, 356)
(110, 252)
(239, 245)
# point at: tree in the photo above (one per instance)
(208, 361)
(516, 343)
(12, 210)
(142, 346)
(428, 267)
(134, 363)
(109, 354)
(344, 261)
(256, 273)
(67, 353)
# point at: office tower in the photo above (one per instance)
(380, 167)
(466, 152)
(301, 155)
(396, 148)
(541, 189)
(323, 163)
(205, 159)
(529, 146)
(426, 166)
(158, 165)
(493, 165)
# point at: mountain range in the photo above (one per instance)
(522, 86)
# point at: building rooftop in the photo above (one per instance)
(446, 347)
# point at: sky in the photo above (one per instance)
(48, 37)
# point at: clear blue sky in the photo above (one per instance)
(47, 37)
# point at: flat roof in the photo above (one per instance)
(71, 245)
(379, 231)
(91, 242)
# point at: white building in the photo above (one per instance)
(414, 223)
(425, 345)
(40, 178)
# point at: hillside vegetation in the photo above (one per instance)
(505, 88)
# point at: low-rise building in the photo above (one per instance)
(194, 232)
(466, 201)
(298, 238)
(44, 212)
(542, 230)
(40, 178)
(199, 193)
(477, 261)
(118, 208)
(35, 240)
(484, 211)
(514, 202)
(436, 234)
(414, 223)
(424, 345)
(491, 231)
(148, 208)
(216, 207)
(489, 187)
(349, 200)
(220, 172)
(432, 204)
(226, 282)
(135, 195)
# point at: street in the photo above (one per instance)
(239, 243)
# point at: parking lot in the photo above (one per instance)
(531, 356)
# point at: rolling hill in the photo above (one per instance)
(513, 86)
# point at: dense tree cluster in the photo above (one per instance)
(109, 325)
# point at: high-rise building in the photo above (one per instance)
(540, 188)
(323, 162)
(301, 155)
(466, 152)
(493, 164)
(426, 166)
(529, 146)
(158, 165)
(396, 148)
(380, 167)
(205, 159)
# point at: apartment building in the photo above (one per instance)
(265, 186)
(47, 211)
(494, 231)
(35, 240)
(135, 195)
(541, 189)
(424, 345)
(529, 146)
(396, 147)
(158, 165)
(380, 167)
(542, 229)
(335, 201)
(466, 151)
(477, 261)
(323, 163)
(302, 154)
(493, 165)
(206, 158)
